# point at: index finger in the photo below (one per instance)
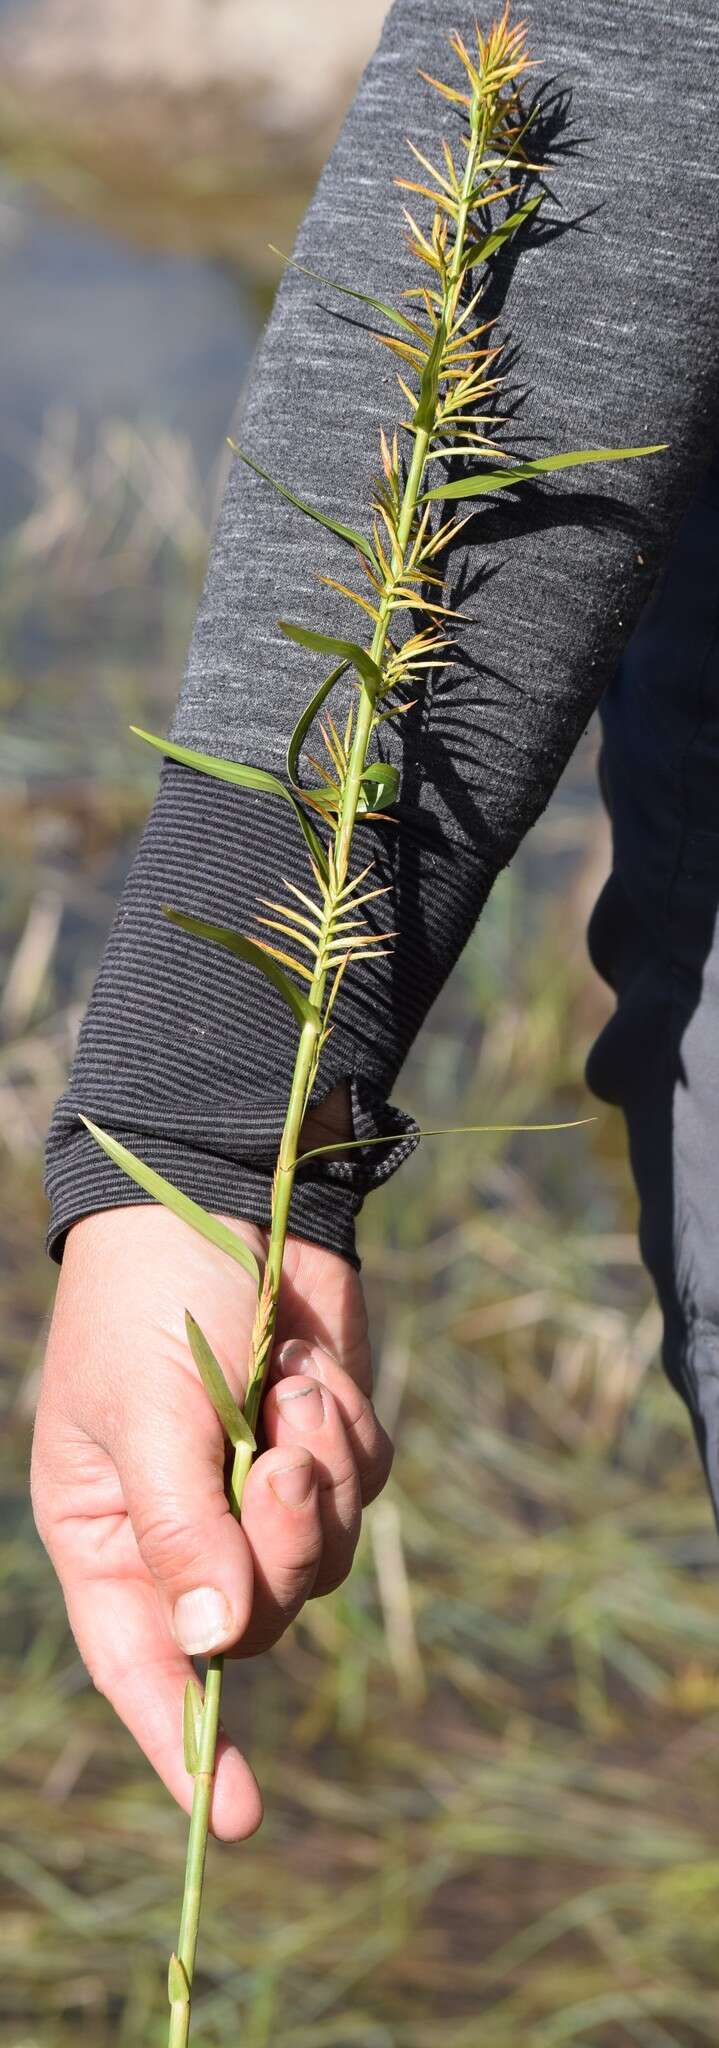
(134, 1661)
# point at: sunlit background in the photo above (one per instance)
(492, 1761)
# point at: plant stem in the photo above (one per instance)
(263, 1331)
(179, 2032)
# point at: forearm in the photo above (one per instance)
(615, 325)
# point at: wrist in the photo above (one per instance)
(330, 1122)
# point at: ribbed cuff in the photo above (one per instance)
(328, 1193)
(186, 1055)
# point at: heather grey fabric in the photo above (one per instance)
(610, 314)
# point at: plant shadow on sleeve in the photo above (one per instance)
(480, 750)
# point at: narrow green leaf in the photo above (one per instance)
(380, 786)
(324, 643)
(255, 955)
(178, 1989)
(444, 1131)
(243, 777)
(479, 252)
(502, 479)
(356, 540)
(429, 384)
(170, 1197)
(388, 312)
(304, 722)
(191, 1727)
(215, 1385)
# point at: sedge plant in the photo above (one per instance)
(310, 938)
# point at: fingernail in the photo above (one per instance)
(292, 1357)
(293, 1483)
(303, 1407)
(201, 1620)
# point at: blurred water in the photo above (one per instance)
(98, 340)
(103, 329)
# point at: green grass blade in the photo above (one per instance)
(502, 479)
(348, 292)
(241, 776)
(479, 252)
(444, 1131)
(304, 722)
(356, 540)
(324, 643)
(255, 955)
(191, 1725)
(236, 772)
(215, 1385)
(170, 1197)
(429, 385)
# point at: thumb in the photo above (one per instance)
(171, 1469)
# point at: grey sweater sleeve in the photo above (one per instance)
(609, 315)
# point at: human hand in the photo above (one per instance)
(128, 1467)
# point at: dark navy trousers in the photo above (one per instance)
(654, 937)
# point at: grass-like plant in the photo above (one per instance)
(311, 937)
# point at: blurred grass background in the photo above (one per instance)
(491, 1762)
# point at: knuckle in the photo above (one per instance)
(260, 1638)
(336, 1562)
(360, 1372)
(42, 1516)
(284, 1578)
(356, 1359)
(265, 1630)
(101, 1673)
(331, 1576)
(276, 1608)
(106, 1664)
(292, 1584)
(167, 1544)
(42, 1501)
(340, 1477)
(378, 1471)
(108, 1668)
(287, 1582)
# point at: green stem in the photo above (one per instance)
(180, 2007)
(263, 1332)
(179, 2032)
